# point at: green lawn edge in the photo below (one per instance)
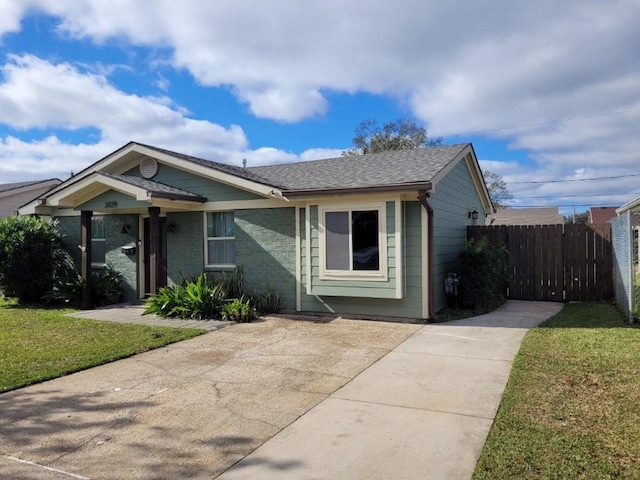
(571, 406)
(38, 344)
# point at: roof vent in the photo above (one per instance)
(148, 167)
(244, 163)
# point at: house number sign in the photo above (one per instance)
(110, 204)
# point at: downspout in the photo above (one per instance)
(422, 198)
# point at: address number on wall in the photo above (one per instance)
(110, 204)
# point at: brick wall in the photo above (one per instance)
(266, 250)
(185, 246)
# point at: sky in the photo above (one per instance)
(548, 92)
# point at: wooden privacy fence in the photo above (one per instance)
(555, 262)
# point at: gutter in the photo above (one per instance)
(398, 187)
(422, 198)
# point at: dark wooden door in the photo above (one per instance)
(162, 276)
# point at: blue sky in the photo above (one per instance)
(547, 92)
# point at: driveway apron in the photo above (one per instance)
(421, 412)
(340, 399)
(189, 410)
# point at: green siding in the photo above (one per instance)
(455, 197)
(266, 250)
(185, 246)
(123, 263)
(354, 288)
(123, 200)
(114, 240)
(213, 191)
(410, 306)
(69, 227)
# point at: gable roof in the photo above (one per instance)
(601, 214)
(419, 169)
(10, 188)
(402, 168)
(526, 216)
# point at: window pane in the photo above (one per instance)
(221, 252)
(337, 240)
(97, 227)
(97, 251)
(220, 224)
(364, 230)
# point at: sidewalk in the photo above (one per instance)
(423, 411)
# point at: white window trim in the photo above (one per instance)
(207, 238)
(380, 275)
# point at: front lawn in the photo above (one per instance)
(571, 408)
(40, 344)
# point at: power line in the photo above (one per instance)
(581, 195)
(549, 122)
(575, 179)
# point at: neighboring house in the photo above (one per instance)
(625, 233)
(14, 195)
(599, 215)
(525, 216)
(364, 235)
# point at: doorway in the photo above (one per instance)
(162, 276)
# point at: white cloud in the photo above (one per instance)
(462, 66)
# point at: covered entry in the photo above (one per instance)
(135, 231)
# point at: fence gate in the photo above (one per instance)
(554, 262)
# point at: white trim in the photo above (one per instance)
(208, 265)
(399, 250)
(243, 204)
(380, 275)
(631, 266)
(468, 155)
(629, 206)
(307, 220)
(298, 262)
(425, 262)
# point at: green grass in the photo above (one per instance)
(571, 408)
(39, 344)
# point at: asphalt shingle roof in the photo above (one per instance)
(157, 189)
(5, 187)
(361, 171)
(526, 216)
(352, 172)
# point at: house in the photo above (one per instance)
(625, 239)
(525, 216)
(599, 215)
(14, 195)
(374, 234)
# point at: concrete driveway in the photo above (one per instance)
(190, 410)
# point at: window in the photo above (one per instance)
(221, 249)
(97, 241)
(353, 243)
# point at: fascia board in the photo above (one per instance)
(212, 173)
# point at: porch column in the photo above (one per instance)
(154, 248)
(85, 264)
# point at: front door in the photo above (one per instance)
(162, 280)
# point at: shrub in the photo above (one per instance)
(266, 303)
(32, 256)
(483, 276)
(238, 310)
(195, 299)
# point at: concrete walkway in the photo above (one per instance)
(132, 313)
(423, 411)
(275, 399)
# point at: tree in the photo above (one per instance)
(577, 218)
(498, 191)
(403, 134)
(31, 256)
